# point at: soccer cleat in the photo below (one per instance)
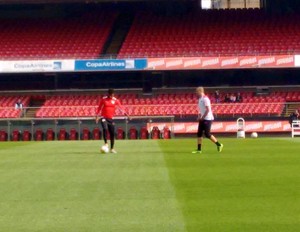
(196, 152)
(220, 148)
(113, 151)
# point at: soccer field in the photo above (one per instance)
(253, 185)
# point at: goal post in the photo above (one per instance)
(295, 128)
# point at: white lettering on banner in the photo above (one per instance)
(192, 128)
(105, 64)
(174, 63)
(210, 62)
(32, 66)
(229, 61)
(129, 64)
(217, 126)
(160, 126)
(153, 64)
(285, 60)
(286, 127)
(189, 63)
(268, 60)
(37, 66)
(179, 127)
(253, 126)
(232, 127)
(272, 126)
(248, 61)
(227, 127)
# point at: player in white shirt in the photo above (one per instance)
(205, 118)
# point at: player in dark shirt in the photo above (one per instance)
(294, 116)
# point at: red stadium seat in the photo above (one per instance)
(211, 33)
(16, 135)
(28, 39)
(155, 133)
(39, 135)
(144, 133)
(166, 134)
(26, 135)
(133, 133)
(179, 104)
(120, 133)
(85, 133)
(73, 134)
(96, 133)
(62, 135)
(7, 106)
(50, 134)
(3, 135)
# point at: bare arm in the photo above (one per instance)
(100, 107)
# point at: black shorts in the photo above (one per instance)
(107, 122)
(204, 126)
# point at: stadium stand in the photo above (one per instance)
(212, 33)
(179, 104)
(7, 106)
(82, 37)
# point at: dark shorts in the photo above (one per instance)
(204, 127)
(106, 120)
(106, 123)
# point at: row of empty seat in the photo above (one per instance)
(166, 99)
(212, 33)
(204, 33)
(167, 104)
(179, 104)
(82, 37)
(250, 109)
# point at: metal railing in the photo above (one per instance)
(146, 56)
(79, 123)
(249, 109)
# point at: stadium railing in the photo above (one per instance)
(178, 109)
(249, 109)
(9, 125)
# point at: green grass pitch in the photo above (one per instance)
(253, 185)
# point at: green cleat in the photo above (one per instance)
(196, 152)
(220, 148)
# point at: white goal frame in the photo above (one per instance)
(295, 128)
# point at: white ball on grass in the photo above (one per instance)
(254, 135)
(104, 149)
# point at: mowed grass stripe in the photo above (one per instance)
(69, 186)
(253, 185)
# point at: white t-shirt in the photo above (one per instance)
(202, 104)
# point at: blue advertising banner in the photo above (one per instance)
(110, 65)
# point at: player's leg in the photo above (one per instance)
(111, 130)
(207, 128)
(104, 129)
(199, 138)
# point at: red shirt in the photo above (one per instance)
(107, 106)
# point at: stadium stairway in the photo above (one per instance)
(118, 34)
(291, 108)
(35, 104)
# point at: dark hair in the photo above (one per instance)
(111, 91)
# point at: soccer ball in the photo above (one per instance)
(254, 135)
(104, 149)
